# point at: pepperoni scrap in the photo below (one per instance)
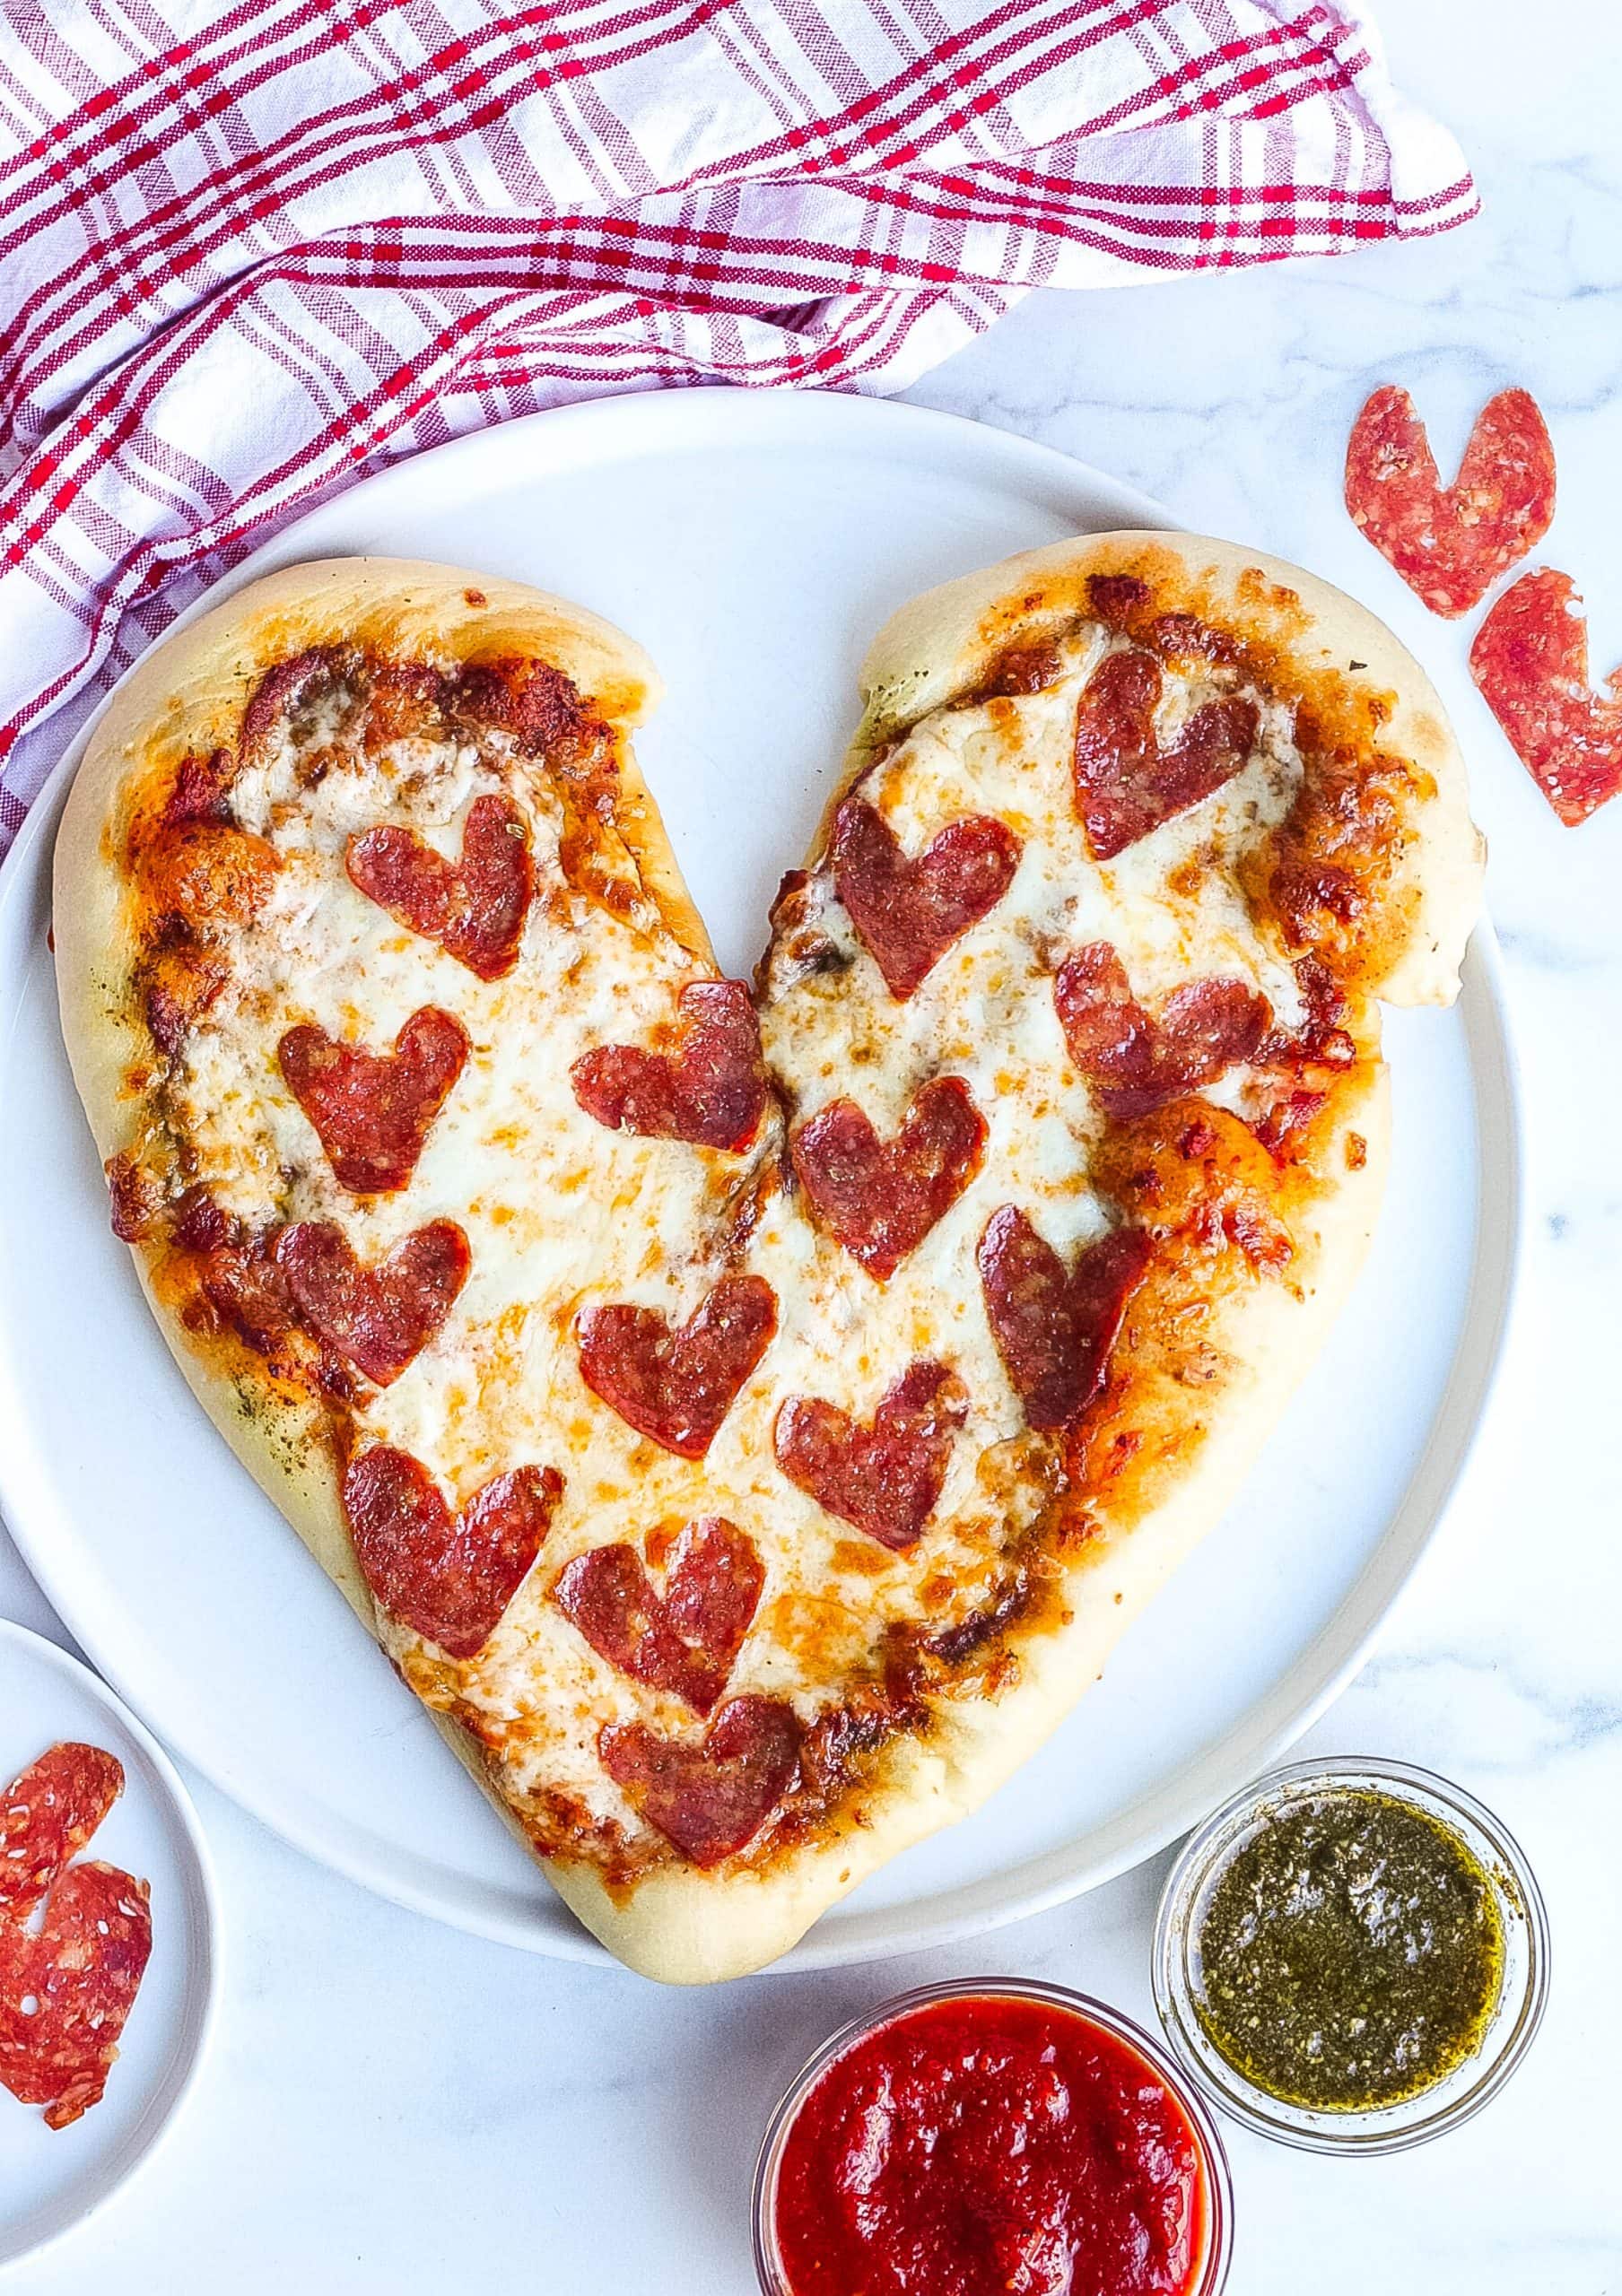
(1298, 1066)
(1054, 1327)
(1451, 544)
(247, 1289)
(1138, 1063)
(1531, 661)
(199, 790)
(536, 704)
(133, 1196)
(676, 1387)
(47, 1815)
(66, 1993)
(379, 1318)
(66, 1989)
(684, 1641)
(287, 687)
(710, 1090)
(880, 1198)
(1020, 669)
(475, 908)
(447, 1577)
(179, 982)
(909, 911)
(883, 1478)
(200, 1223)
(1117, 600)
(1126, 783)
(708, 1799)
(371, 1111)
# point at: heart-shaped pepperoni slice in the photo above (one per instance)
(883, 1478)
(909, 912)
(684, 1642)
(1139, 1064)
(1450, 545)
(47, 1815)
(1054, 1327)
(676, 1387)
(79, 1977)
(1531, 660)
(709, 1090)
(475, 908)
(379, 1318)
(449, 1578)
(371, 1111)
(708, 1799)
(1126, 783)
(881, 1197)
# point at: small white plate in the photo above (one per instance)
(51, 2179)
(753, 541)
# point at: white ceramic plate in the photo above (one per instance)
(52, 2179)
(753, 543)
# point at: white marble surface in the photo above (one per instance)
(388, 2101)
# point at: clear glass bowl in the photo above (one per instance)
(1388, 2129)
(1211, 2271)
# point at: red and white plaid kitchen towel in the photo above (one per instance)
(250, 251)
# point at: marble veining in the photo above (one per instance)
(391, 2102)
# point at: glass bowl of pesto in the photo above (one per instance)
(1351, 1956)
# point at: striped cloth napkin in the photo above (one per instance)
(250, 251)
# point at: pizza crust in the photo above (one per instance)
(679, 1924)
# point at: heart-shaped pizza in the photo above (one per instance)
(747, 1416)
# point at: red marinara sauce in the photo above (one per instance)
(992, 2144)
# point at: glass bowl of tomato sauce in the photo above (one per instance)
(970, 2139)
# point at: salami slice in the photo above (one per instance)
(909, 911)
(1054, 1327)
(449, 1578)
(1531, 661)
(685, 1640)
(879, 1197)
(883, 1478)
(676, 1386)
(65, 1988)
(1451, 544)
(475, 908)
(379, 1318)
(66, 1993)
(371, 1111)
(710, 1090)
(46, 1816)
(708, 1799)
(1137, 1062)
(1126, 783)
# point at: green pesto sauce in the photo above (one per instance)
(1351, 1953)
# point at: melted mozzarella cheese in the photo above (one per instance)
(561, 1215)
